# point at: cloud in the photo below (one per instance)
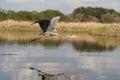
(66, 6)
(89, 0)
(43, 1)
(78, 3)
(73, 3)
(23, 1)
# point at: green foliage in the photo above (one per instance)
(80, 14)
(98, 14)
(49, 14)
(30, 16)
(25, 15)
(107, 18)
(22, 15)
(89, 11)
(3, 14)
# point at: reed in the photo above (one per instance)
(91, 28)
(11, 25)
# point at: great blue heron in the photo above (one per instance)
(48, 26)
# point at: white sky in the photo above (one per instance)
(65, 6)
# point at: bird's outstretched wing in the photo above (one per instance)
(43, 24)
(53, 23)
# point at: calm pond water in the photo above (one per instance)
(92, 58)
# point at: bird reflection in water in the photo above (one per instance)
(48, 76)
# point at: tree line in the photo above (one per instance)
(80, 14)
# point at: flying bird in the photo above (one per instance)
(48, 26)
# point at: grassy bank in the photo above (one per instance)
(97, 29)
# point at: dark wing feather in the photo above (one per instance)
(44, 25)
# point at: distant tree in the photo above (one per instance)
(23, 15)
(91, 19)
(107, 18)
(10, 14)
(3, 14)
(96, 14)
(34, 15)
(49, 14)
(110, 17)
(116, 18)
(80, 14)
(77, 17)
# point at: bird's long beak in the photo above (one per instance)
(35, 69)
(32, 68)
(32, 23)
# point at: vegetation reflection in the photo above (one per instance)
(80, 42)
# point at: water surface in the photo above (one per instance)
(92, 58)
